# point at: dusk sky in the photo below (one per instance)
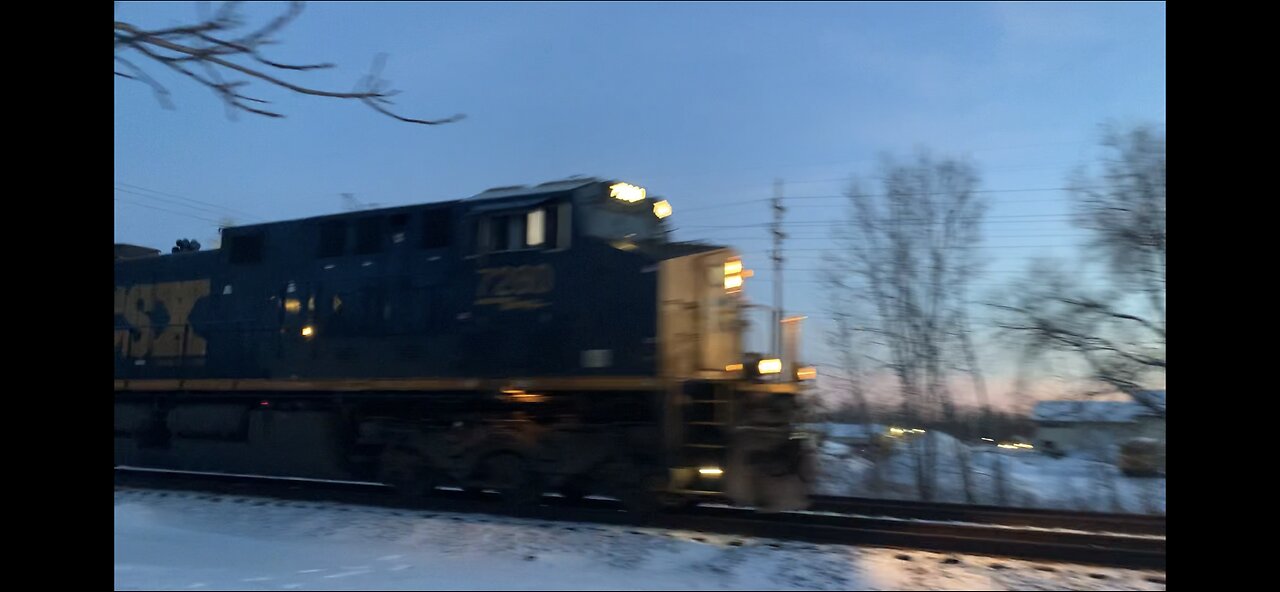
(705, 104)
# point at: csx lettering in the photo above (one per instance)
(515, 281)
(156, 317)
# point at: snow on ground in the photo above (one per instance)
(1031, 479)
(191, 541)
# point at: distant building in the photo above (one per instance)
(1098, 428)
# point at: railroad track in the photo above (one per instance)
(1137, 524)
(892, 528)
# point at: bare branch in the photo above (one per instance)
(200, 43)
(161, 93)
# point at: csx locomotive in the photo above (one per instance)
(527, 340)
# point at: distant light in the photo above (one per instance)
(807, 373)
(264, 404)
(988, 439)
(662, 209)
(308, 331)
(710, 471)
(292, 305)
(626, 192)
(770, 366)
(733, 368)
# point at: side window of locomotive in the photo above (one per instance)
(399, 225)
(507, 232)
(539, 228)
(333, 239)
(436, 226)
(535, 228)
(369, 235)
(245, 249)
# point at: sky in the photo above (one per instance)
(704, 104)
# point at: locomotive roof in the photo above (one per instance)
(496, 193)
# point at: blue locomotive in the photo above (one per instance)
(525, 340)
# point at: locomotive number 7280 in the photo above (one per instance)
(515, 281)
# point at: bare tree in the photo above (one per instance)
(1118, 332)
(210, 48)
(909, 253)
(840, 308)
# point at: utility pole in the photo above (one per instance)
(778, 235)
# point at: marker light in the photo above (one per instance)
(733, 275)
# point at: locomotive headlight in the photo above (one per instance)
(626, 192)
(662, 209)
(770, 366)
(710, 471)
(308, 331)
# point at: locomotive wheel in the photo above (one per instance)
(510, 476)
(574, 489)
(406, 472)
(572, 493)
(644, 496)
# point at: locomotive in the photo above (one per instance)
(527, 340)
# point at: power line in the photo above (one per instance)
(171, 202)
(1004, 219)
(829, 238)
(981, 191)
(220, 208)
(961, 247)
(852, 161)
(148, 206)
(979, 286)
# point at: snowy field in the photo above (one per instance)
(191, 541)
(1030, 479)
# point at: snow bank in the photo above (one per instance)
(994, 476)
(178, 541)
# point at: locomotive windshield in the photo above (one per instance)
(626, 214)
(637, 225)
